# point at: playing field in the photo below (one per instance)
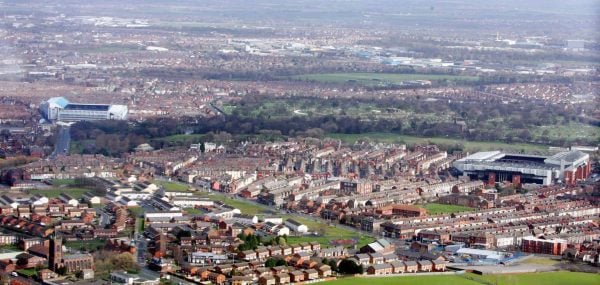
(372, 79)
(546, 278)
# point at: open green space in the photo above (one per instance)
(172, 186)
(9, 248)
(245, 207)
(192, 211)
(470, 146)
(540, 260)
(182, 138)
(227, 108)
(371, 79)
(404, 280)
(86, 245)
(135, 211)
(77, 146)
(63, 182)
(140, 224)
(28, 272)
(545, 278)
(435, 208)
(568, 131)
(326, 233)
(76, 193)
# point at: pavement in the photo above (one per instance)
(104, 218)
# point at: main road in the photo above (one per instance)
(63, 142)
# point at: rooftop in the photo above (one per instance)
(87, 107)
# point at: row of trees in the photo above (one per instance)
(250, 242)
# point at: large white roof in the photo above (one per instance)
(59, 101)
(483, 156)
(568, 157)
(480, 252)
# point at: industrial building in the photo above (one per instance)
(60, 109)
(495, 166)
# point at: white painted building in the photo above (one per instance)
(296, 226)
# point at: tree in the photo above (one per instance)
(348, 266)
(280, 262)
(61, 270)
(333, 264)
(250, 242)
(271, 262)
(124, 261)
(202, 147)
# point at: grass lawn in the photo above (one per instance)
(371, 79)
(539, 260)
(85, 245)
(470, 146)
(404, 280)
(172, 186)
(29, 272)
(63, 182)
(244, 206)
(192, 211)
(135, 211)
(327, 232)
(545, 278)
(435, 208)
(54, 192)
(9, 248)
(140, 223)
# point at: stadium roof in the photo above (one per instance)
(483, 156)
(568, 157)
(60, 101)
(87, 107)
